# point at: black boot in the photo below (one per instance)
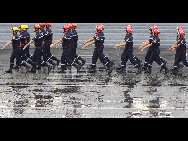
(118, 68)
(38, 67)
(9, 70)
(139, 61)
(53, 64)
(58, 61)
(49, 68)
(78, 67)
(166, 70)
(164, 62)
(62, 70)
(83, 62)
(110, 69)
(144, 68)
(148, 70)
(33, 69)
(111, 63)
(92, 70)
(121, 70)
(174, 71)
(139, 69)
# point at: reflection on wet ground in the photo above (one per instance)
(73, 95)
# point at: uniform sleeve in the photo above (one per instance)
(182, 42)
(98, 38)
(129, 40)
(66, 37)
(156, 41)
(22, 36)
(74, 34)
(150, 39)
(35, 37)
(15, 38)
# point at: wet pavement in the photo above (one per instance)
(93, 95)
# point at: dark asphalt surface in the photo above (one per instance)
(85, 95)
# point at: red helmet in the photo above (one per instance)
(156, 31)
(42, 24)
(129, 30)
(65, 27)
(129, 26)
(37, 26)
(74, 25)
(179, 28)
(155, 27)
(70, 26)
(151, 28)
(102, 26)
(182, 32)
(48, 24)
(99, 29)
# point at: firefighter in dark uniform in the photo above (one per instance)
(98, 52)
(66, 55)
(128, 51)
(49, 42)
(74, 44)
(45, 46)
(149, 52)
(102, 34)
(70, 27)
(23, 39)
(155, 52)
(38, 39)
(16, 50)
(92, 39)
(28, 40)
(180, 51)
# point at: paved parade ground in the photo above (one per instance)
(93, 95)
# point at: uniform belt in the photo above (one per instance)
(38, 45)
(99, 47)
(155, 49)
(16, 47)
(182, 50)
(64, 48)
(49, 41)
(128, 47)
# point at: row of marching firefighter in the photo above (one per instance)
(43, 41)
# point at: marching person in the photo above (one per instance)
(128, 51)
(28, 40)
(74, 44)
(180, 51)
(155, 52)
(16, 51)
(38, 39)
(98, 52)
(149, 52)
(49, 42)
(66, 55)
(45, 47)
(92, 39)
(23, 40)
